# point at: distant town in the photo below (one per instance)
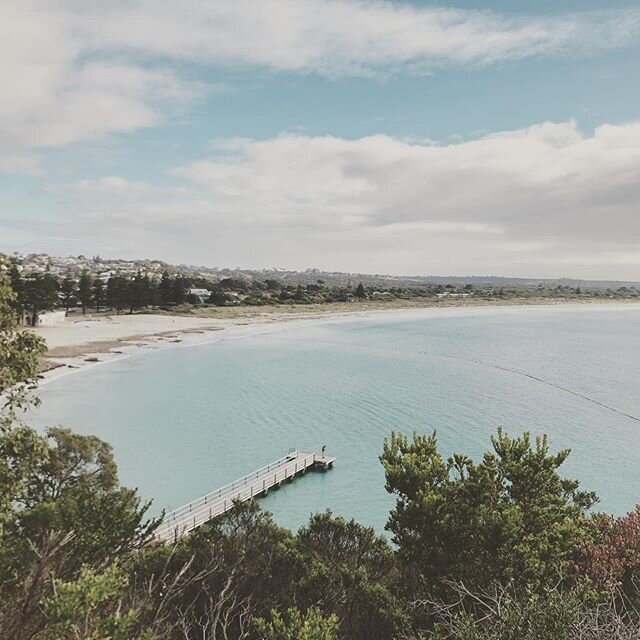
(49, 287)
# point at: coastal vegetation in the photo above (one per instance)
(503, 548)
(39, 291)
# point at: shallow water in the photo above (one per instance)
(184, 421)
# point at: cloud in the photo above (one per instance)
(532, 201)
(20, 164)
(338, 37)
(76, 70)
(58, 91)
(542, 181)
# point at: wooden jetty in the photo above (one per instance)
(285, 469)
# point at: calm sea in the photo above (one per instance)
(184, 421)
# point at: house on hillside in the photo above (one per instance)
(202, 295)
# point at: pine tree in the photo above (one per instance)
(178, 290)
(98, 294)
(165, 292)
(68, 292)
(85, 290)
(148, 291)
(117, 290)
(136, 293)
(40, 294)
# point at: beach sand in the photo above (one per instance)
(84, 332)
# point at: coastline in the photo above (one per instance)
(83, 343)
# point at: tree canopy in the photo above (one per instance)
(510, 518)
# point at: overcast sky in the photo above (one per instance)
(386, 137)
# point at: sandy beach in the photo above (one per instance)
(83, 334)
(84, 341)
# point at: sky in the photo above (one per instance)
(409, 138)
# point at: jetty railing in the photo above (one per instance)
(227, 488)
(254, 484)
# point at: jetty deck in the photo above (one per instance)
(257, 483)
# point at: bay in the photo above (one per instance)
(184, 421)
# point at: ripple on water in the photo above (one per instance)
(184, 421)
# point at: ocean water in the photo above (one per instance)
(183, 421)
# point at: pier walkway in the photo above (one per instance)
(192, 515)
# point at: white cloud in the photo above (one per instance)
(348, 36)
(58, 91)
(543, 180)
(75, 70)
(20, 164)
(535, 201)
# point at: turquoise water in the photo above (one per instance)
(184, 421)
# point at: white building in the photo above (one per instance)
(50, 318)
(448, 294)
(202, 294)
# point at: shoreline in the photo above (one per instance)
(78, 345)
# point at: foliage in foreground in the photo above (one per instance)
(501, 549)
(294, 626)
(511, 518)
(553, 614)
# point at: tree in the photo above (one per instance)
(178, 290)
(98, 293)
(61, 506)
(40, 294)
(117, 295)
(19, 353)
(20, 448)
(610, 557)
(233, 284)
(165, 289)
(554, 614)
(273, 285)
(509, 519)
(354, 573)
(67, 512)
(300, 293)
(294, 626)
(360, 292)
(89, 608)
(148, 291)
(218, 296)
(85, 290)
(136, 294)
(68, 291)
(75, 489)
(17, 285)
(215, 581)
